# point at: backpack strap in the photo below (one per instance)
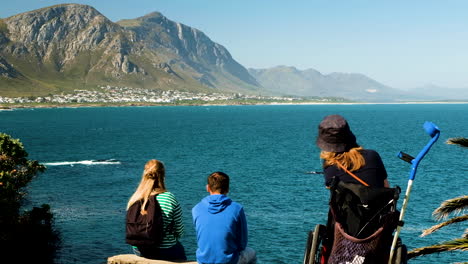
(352, 174)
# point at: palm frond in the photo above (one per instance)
(460, 141)
(446, 223)
(449, 206)
(456, 244)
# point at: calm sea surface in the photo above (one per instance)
(267, 151)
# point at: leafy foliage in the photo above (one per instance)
(451, 206)
(446, 223)
(460, 141)
(456, 244)
(16, 171)
(20, 232)
(455, 205)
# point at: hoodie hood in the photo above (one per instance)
(216, 203)
(221, 229)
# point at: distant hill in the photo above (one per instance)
(291, 81)
(71, 46)
(434, 92)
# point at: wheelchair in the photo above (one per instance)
(360, 226)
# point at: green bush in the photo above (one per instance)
(29, 235)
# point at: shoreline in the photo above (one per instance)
(6, 107)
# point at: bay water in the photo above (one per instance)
(95, 158)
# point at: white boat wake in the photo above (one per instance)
(83, 162)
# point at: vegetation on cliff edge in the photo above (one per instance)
(25, 236)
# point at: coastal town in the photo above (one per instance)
(116, 95)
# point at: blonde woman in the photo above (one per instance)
(343, 158)
(152, 183)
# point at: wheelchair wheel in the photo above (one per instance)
(401, 252)
(312, 253)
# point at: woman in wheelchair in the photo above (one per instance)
(362, 213)
(343, 157)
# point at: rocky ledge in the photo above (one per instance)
(134, 259)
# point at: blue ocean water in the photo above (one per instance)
(267, 150)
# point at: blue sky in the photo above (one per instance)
(403, 44)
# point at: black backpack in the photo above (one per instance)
(144, 229)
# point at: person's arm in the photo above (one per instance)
(327, 176)
(382, 172)
(243, 232)
(178, 224)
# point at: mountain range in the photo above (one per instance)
(71, 46)
(291, 81)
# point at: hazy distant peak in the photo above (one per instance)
(349, 74)
(431, 86)
(286, 68)
(310, 82)
(279, 68)
(312, 71)
(339, 76)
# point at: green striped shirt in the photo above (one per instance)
(172, 219)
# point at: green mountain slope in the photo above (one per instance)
(70, 46)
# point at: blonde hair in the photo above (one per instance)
(351, 160)
(152, 182)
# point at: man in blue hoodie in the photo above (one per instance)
(221, 226)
